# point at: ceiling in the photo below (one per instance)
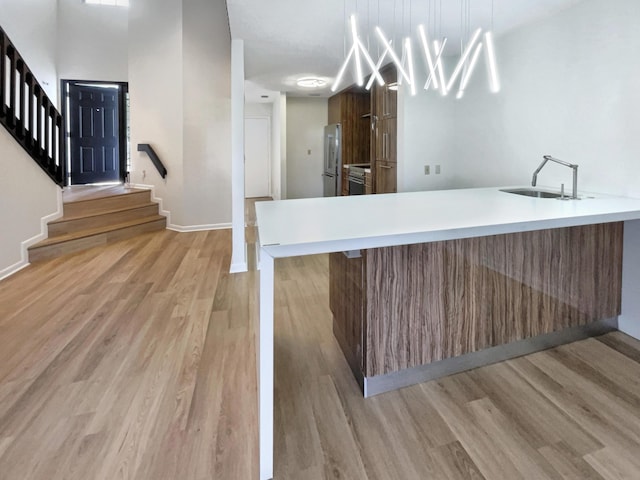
(288, 39)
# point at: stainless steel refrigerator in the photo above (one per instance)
(332, 175)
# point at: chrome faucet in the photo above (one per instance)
(561, 162)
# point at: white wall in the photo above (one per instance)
(279, 171)
(179, 83)
(155, 89)
(31, 25)
(569, 89)
(239, 250)
(306, 119)
(426, 132)
(27, 195)
(207, 113)
(92, 42)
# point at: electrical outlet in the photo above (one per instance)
(437, 169)
(427, 170)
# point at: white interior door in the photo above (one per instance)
(257, 157)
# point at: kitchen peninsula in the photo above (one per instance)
(489, 228)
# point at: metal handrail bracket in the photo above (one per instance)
(148, 149)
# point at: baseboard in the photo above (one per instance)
(197, 228)
(10, 270)
(630, 324)
(167, 213)
(156, 199)
(44, 234)
(239, 267)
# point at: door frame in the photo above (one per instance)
(123, 90)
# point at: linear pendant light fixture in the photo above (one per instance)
(377, 70)
(433, 51)
(490, 55)
(409, 58)
(439, 66)
(357, 49)
(356, 44)
(343, 69)
(393, 54)
(430, 63)
(469, 71)
(463, 59)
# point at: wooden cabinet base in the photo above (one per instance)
(425, 303)
(346, 299)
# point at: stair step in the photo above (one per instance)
(93, 237)
(105, 204)
(70, 224)
(77, 193)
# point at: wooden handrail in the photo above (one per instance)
(28, 114)
(148, 149)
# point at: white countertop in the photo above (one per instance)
(331, 224)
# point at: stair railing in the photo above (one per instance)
(155, 159)
(28, 114)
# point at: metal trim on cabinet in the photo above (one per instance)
(424, 373)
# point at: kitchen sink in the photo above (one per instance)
(531, 192)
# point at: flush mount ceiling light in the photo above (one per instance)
(114, 3)
(311, 82)
(436, 78)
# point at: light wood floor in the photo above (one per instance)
(76, 193)
(137, 361)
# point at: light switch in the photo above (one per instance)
(427, 170)
(308, 152)
(437, 169)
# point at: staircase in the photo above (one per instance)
(95, 216)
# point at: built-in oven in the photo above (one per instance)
(356, 180)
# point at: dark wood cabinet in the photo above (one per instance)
(384, 104)
(368, 183)
(335, 109)
(386, 97)
(370, 129)
(387, 140)
(351, 109)
(406, 306)
(386, 177)
(345, 180)
(347, 302)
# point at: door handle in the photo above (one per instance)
(385, 149)
(388, 167)
(385, 94)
